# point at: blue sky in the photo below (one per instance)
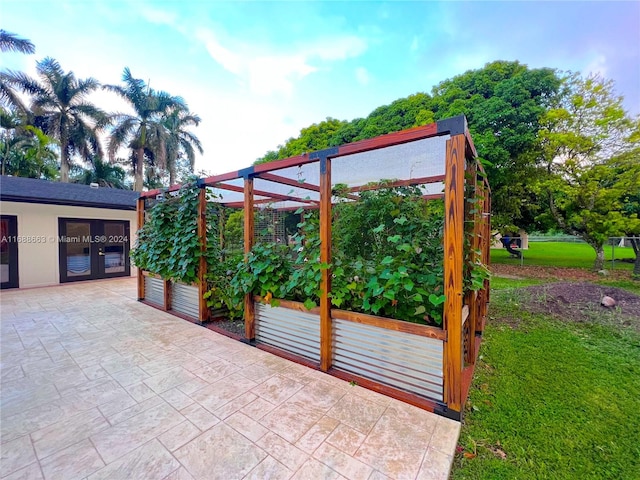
(258, 72)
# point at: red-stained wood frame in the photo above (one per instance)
(460, 158)
(326, 337)
(203, 311)
(140, 212)
(249, 307)
(453, 270)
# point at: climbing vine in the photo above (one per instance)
(168, 244)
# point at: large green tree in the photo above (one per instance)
(586, 143)
(626, 170)
(503, 102)
(59, 106)
(144, 130)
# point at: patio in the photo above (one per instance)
(96, 385)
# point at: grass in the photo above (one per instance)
(551, 399)
(561, 254)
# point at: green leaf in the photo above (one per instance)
(387, 260)
(436, 299)
(420, 310)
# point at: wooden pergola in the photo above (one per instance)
(439, 157)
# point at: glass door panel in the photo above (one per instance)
(92, 249)
(8, 251)
(77, 240)
(115, 247)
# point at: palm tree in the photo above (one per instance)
(10, 42)
(143, 131)
(60, 109)
(180, 141)
(104, 174)
(27, 152)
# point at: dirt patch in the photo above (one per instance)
(555, 273)
(580, 302)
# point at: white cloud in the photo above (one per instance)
(226, 58)
(337, 48)
(415, 43)
(362, 75)
(597, 66)
(157, 16)
(269, 70)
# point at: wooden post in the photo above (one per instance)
(203, 311)
(249, 307)
(140, 211)
(325, 258)
(453, 265)
(166, 303)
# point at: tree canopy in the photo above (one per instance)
(503, 102)
(588, 146)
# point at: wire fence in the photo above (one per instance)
(620, 246)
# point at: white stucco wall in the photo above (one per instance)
(38, 263)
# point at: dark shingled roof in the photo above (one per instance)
(33, 190)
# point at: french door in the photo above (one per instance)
(8, 251)
(93, 249)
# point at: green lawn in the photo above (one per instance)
(551, 399)
(561, 254)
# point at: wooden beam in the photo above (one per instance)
(213, 179)
(396, 138)
(399, 183)
(453, 265)
(290, 304)
(288, 181)
(203, 310)
(326, 336)
(140, 212)
(274, 196)
(296, 161)
(249, 307)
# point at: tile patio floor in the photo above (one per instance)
(96, 385)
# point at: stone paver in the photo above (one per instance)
(97, 385)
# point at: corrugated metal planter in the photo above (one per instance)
(154, 290)
(398, 354)
(294, 330)
(185, 300)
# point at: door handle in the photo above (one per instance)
(101, 254)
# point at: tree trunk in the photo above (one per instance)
(635, 243)
(172, 175)
(138, 172)
(599, 263)
(64, 162)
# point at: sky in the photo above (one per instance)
(257, 72)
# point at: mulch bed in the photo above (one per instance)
(581, 302)
(555, 273)
(235, 327)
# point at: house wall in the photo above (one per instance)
(38, 262)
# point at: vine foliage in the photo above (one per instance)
(168, 244)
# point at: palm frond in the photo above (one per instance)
(10, 42)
